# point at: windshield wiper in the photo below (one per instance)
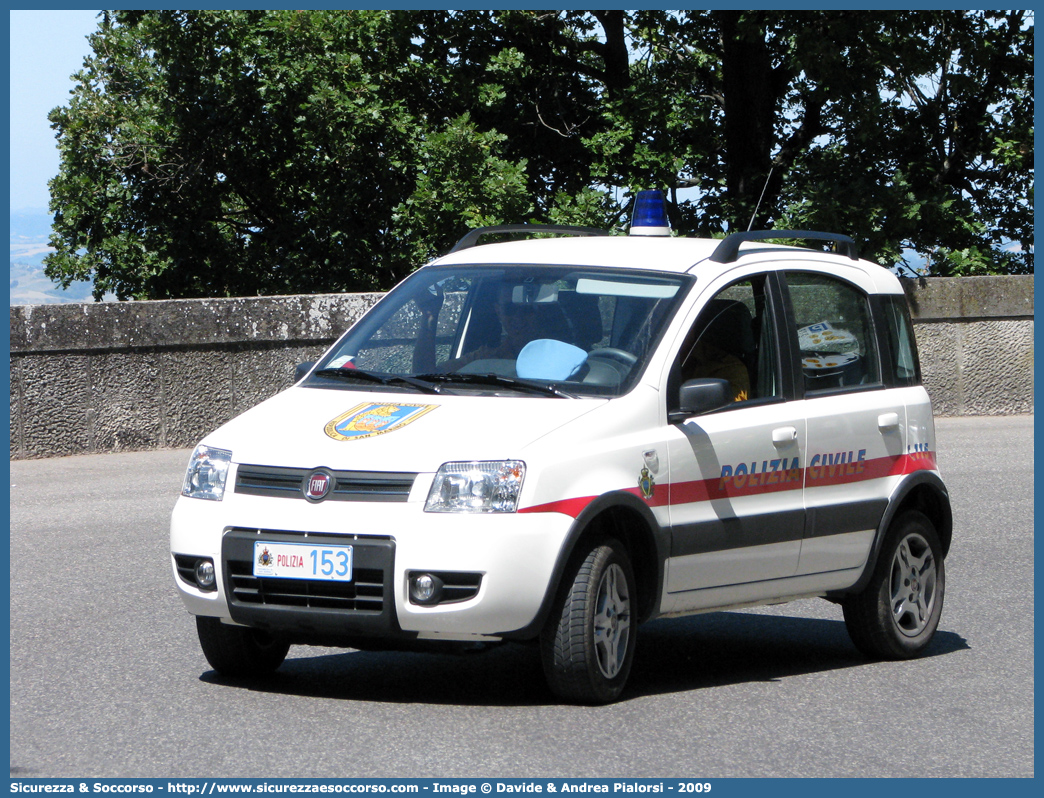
(382, 379)
(547, 389)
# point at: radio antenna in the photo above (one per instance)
(763, 188)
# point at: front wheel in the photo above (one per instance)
(239, 650)
(587, 646)
(896, 615)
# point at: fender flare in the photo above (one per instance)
(895, 503)
(599, 505)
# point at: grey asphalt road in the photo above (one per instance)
(107, 678)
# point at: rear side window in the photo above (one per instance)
(838, 349)
(902, 361)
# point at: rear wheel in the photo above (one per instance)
(896, 615)
(239, 650)
(587, 646)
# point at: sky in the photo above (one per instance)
(47, 47)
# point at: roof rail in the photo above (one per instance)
(728, 250)
(473, 236)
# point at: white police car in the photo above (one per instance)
(557, 439)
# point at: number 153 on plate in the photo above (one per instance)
(303, 561)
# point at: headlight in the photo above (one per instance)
(207, 469)
(482, 487)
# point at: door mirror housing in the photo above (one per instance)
(696, 397)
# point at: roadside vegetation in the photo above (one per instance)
(225, 153)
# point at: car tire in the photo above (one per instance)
(587, 645)
(239, 650)
(898, 612)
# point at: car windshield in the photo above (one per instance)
(542, 330)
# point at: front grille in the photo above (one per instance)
(365, 593)
(349, 486)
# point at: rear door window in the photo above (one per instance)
(835, 333)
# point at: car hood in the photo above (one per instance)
(383, 431)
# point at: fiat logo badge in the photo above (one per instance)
(317, 486)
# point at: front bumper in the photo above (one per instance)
(511, 558)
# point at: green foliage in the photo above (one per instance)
(214, 153)
(461, 181)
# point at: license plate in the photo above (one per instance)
(303, 561)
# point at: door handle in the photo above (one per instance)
(887, 421)
(784, 435)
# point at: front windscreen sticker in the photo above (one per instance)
(370, 418)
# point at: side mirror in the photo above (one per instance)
(696, 397)
(302, 369)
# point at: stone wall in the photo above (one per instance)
(107, 377)
(140, 375)
(975, 340)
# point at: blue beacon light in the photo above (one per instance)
(649, 217)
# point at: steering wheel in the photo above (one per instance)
(613, 353)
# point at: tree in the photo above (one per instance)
(911, 130)
(251, 152)
(228, 153)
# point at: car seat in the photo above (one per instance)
(583, 317)
(729, 327)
